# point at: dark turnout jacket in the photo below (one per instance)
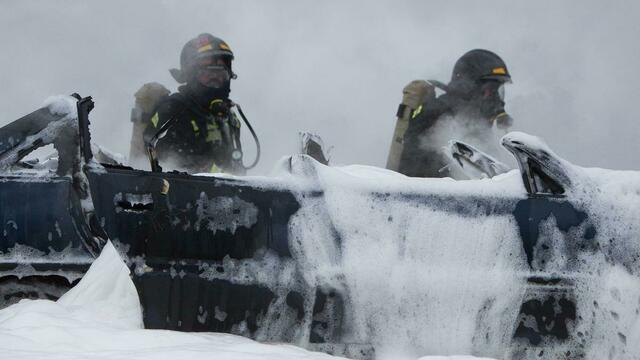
(202, 137)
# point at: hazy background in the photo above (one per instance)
(337, 68)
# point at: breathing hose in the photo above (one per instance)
(255, 138)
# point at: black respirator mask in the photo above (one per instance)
(491, 103)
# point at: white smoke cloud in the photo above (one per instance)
(337, 68)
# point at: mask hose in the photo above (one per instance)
(255, 138)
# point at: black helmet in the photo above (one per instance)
(202, 47)
(476, 66)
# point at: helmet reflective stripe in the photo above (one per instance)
(205, 48)
(499, 71)
(475, 66)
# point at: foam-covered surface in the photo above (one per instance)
(419, 276)
(423, 279)
(62, 105)
(419, 280)
(101, 318)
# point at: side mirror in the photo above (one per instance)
(313, 146)
(543, 172)
(471, 161)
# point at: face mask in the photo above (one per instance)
(204, 94)
(491, 90)
(213, 76)
(489, 99)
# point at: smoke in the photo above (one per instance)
(470, 131)
(337, 68)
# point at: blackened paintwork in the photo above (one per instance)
(530, 213)
(187, 235)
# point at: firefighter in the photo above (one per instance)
(472, 105)
(202, 133)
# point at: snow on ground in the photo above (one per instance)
(101, 318)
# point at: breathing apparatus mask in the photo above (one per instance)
(214, 73)
(490, 102)
(213, 76)
(211, 79)
(492, 89)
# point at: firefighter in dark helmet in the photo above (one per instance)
(472, 104)
(202, 132)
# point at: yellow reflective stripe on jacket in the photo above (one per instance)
(213, 134)
(416, 112)
(154, 120)
(215, 169)
(194, 125)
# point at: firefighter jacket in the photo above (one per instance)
(202, 136)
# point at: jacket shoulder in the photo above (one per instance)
(171, 104)
(431, 109)
(149, 96)
(167, 108)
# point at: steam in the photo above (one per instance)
(470, 131)
(337, 69)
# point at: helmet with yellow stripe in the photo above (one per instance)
(476, 67)
(203, 52)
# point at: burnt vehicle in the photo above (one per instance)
(226, 253)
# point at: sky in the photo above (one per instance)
(337, 68)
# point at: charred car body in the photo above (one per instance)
(214, 253)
